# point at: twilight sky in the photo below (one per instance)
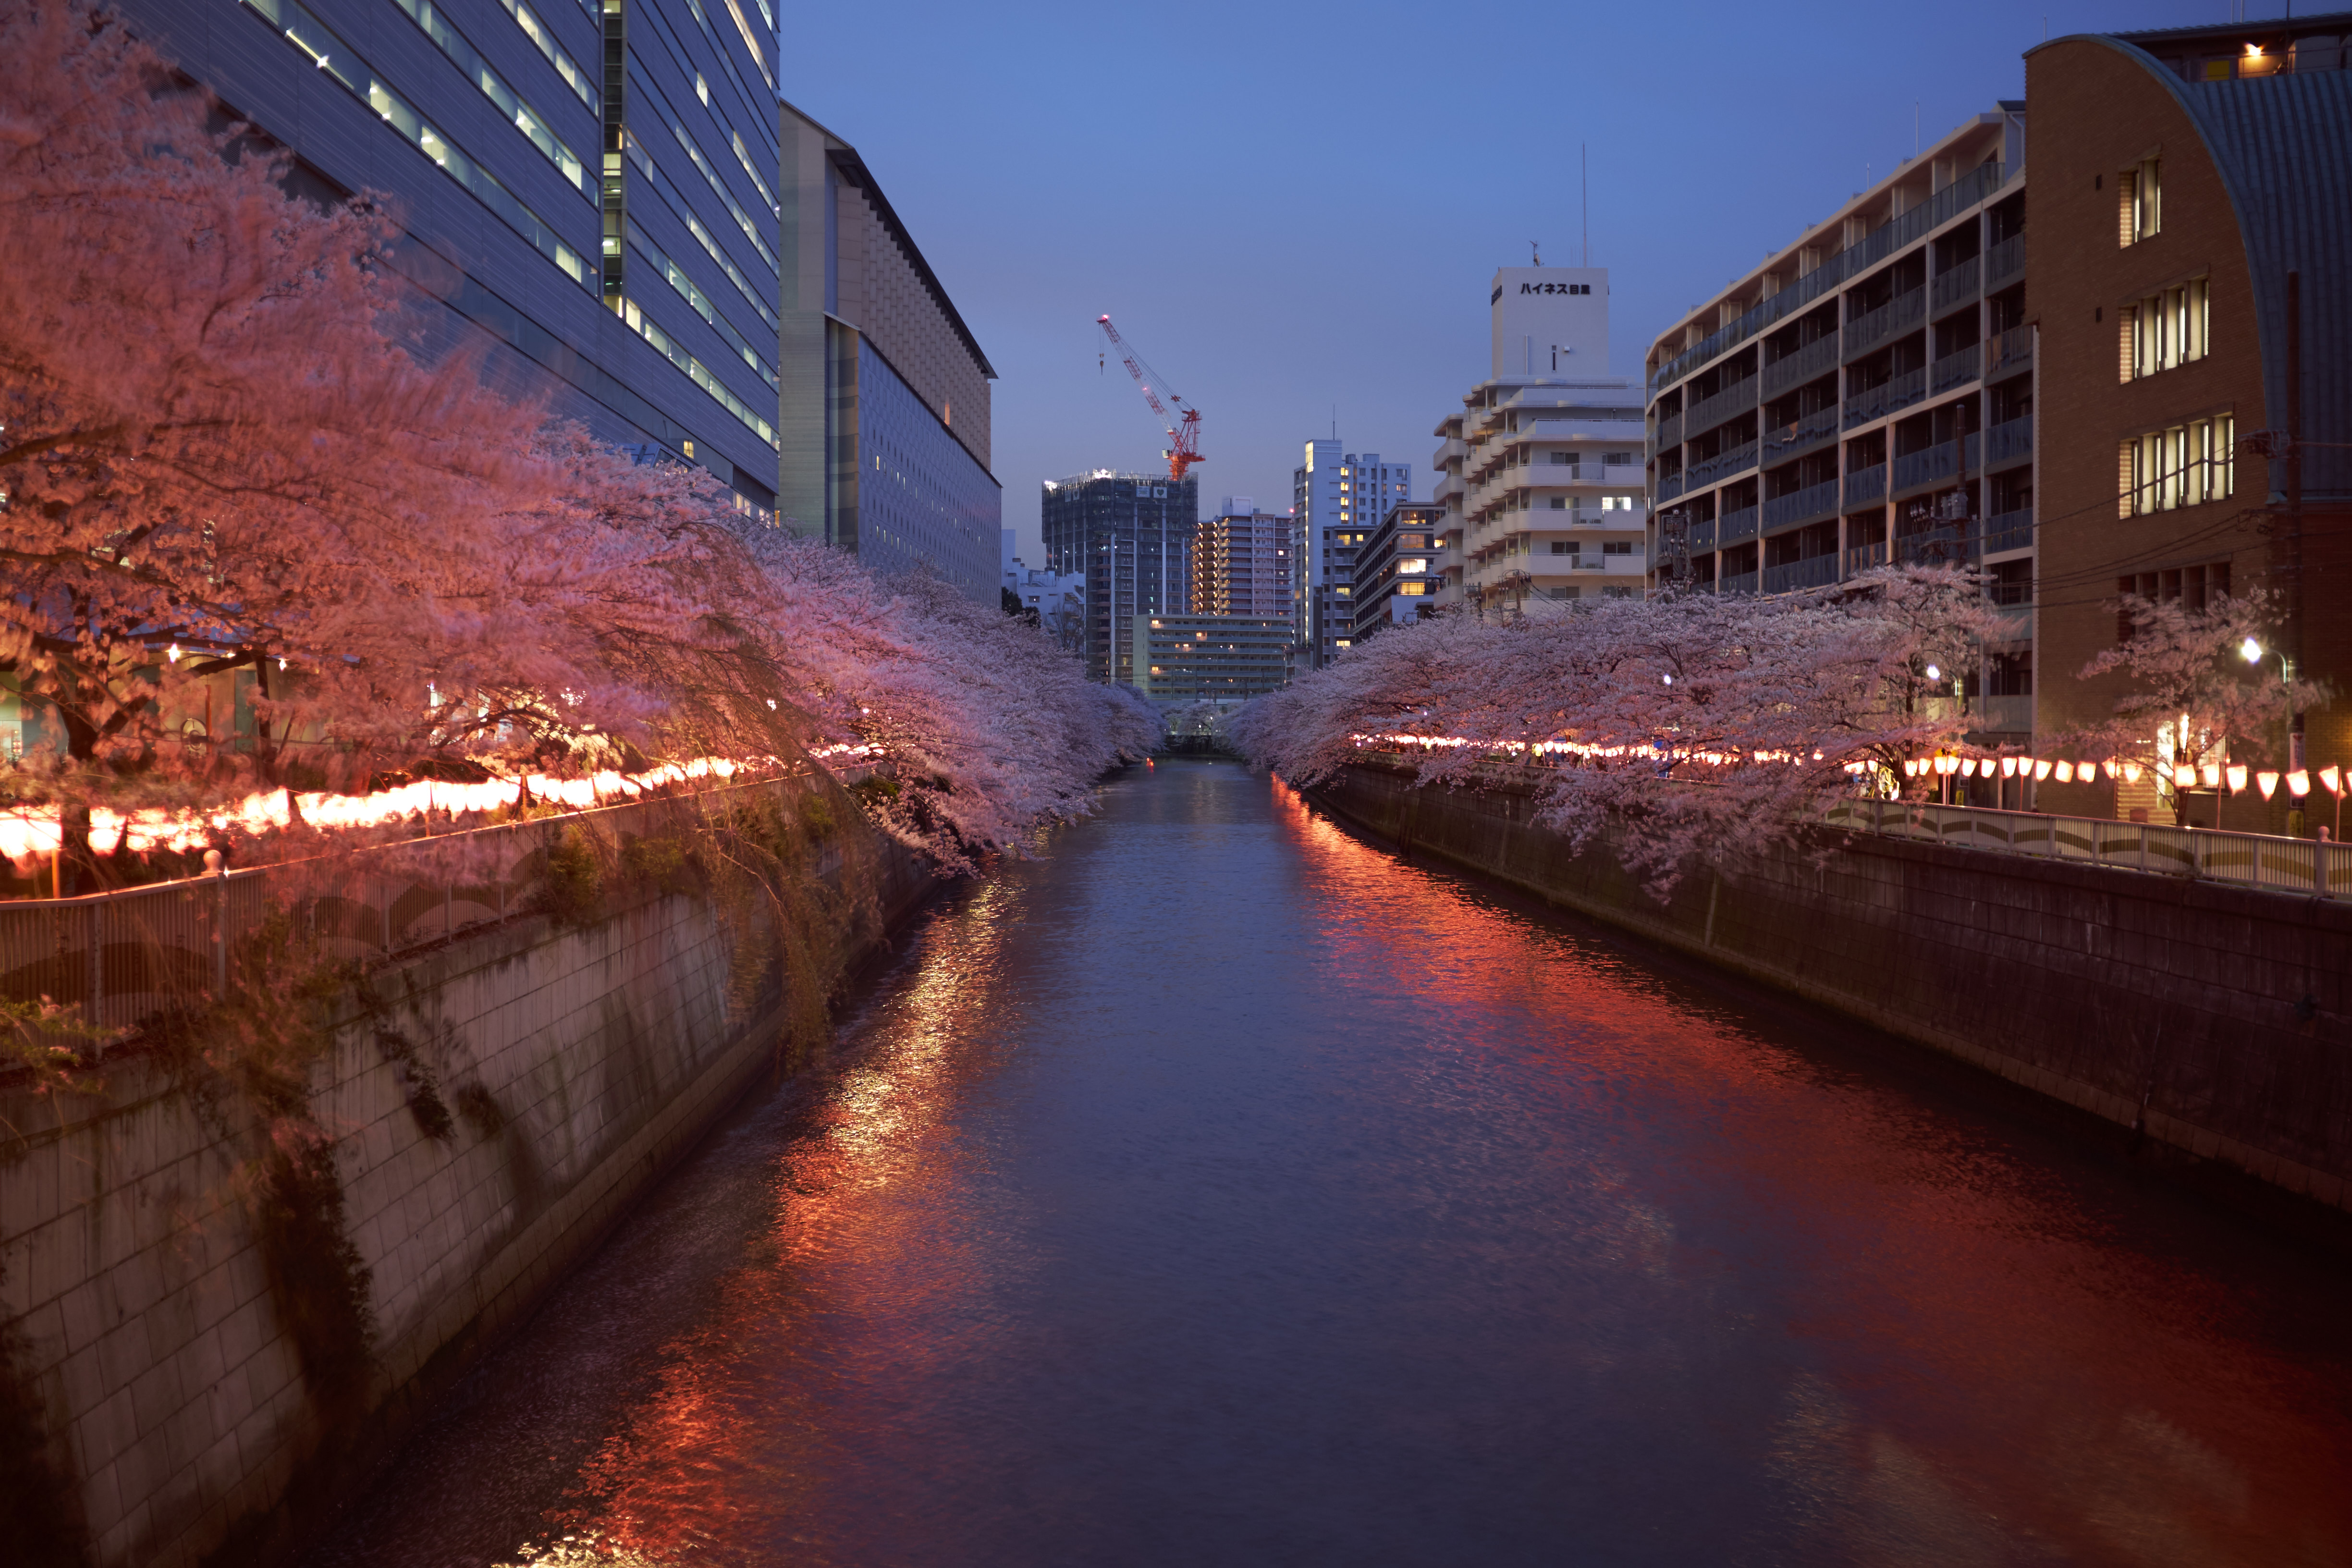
(1289, 207)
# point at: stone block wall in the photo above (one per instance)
(498, 1108)
(2218, 1018)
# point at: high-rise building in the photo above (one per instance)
(1540, 480)
(885, 412)
(1336, 497)
(1130, 535)
(590, 188)
(1868, 393)
(2192, 285)
(1396, 578)
(1244, 563)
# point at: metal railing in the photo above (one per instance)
(1954, 285)
(1899, 314)
(1729, 403)
(126, 955)
(1888, 397)
(1670, 430)
(2008, 352)
(1816, 358)
(2009, 440)
(1723, 465)
(1815, 572)
(1736, 583)
(1861, 558)
(1864, 485)
(2010, 530)
(1786, 440)
(2005, 261)
(1672, 485)
(1933, 465)
(1954, 370)
(1813, 500)
(1943, 545)
(1735, 526)
(2300, 866)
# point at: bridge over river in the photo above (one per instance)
(1218, 1188)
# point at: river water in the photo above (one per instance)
(1218, 1188)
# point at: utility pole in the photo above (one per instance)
(2295, 499)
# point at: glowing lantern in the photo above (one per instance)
(2328, 775)
(2267, 780)
(2237, 778)
(2184, 776)
(2298, 784)
(2065, 773)
(2211, 773)
(2110, 766)
(2041, 769)
(2131, 772)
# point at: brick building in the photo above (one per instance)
(2187, 184)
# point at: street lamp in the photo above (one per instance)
(2253, 652)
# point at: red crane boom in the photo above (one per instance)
(1183, 426)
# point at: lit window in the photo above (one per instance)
(2185, 465)
(2167, 330)
(702, 89)
(2141, 195)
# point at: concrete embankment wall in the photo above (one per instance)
(492, 1108)
(2219, 1017)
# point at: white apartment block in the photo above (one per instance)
(1540, 476)
(1338, 497)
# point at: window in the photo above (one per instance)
(1413, 590)
(1563, 457)
(1622, 459)
(702, 89)
(1616, 503)
(2009, 582)
(2141, 201)
(2009, 675)
(1563, 547)
(2184, 465)
(1618, 547)
(1616, 592)
(1560, 503)
(2165, 331)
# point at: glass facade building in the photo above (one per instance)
(1131, 535)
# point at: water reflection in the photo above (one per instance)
(1221, 1188)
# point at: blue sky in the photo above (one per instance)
(1290, 207)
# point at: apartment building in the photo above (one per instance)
(1130, 536)
(1541, 491)
(1209, 658)
(2192, 257)
(1337, 498)
(1396, 578)
(1245, 561)
(1867, 395)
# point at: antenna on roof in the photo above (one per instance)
(1584, 182)
(1536, 247)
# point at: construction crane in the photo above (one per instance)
(1183, 426)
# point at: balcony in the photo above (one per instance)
(1786, 441)
(1816, 358)
(1729, 403)
(1736, 583)
(1953, 288)
(1722, 465)
(2007, 353)
(1860, 558)
(1670, 486)
(1816, 572)
(2011, 442)
(1807, 505)
(1670, 431)
(1938, 463)
(1734, 526)
(1943, 545)
(1865, 486)
(1954, 370)
(2009, 531)
(1896, 317)
(1886, 397)
(2004, 263)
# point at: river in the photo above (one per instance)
(1216, 1187)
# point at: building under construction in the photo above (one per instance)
(1131, 535)
(1245, 561)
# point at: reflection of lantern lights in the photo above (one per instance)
(2041, 769)
(2298, 784)
(2267, 781)
(2237, 777)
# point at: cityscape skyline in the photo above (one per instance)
(1379, 321)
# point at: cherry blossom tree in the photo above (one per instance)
(1691, 729)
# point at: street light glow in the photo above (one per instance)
(1935, 674)
(2251, 651)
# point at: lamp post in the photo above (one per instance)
(2253, 653)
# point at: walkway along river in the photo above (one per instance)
(1218, 1188)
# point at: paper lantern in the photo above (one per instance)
(2298, 784)
(2131, 772)
(2041, 769)
(2267, 781)
(2110, 766)
(2327, 776)
(2237, 777)
(2183, 776)
(2211, 773)
(2065, 773)
(2009, 767)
